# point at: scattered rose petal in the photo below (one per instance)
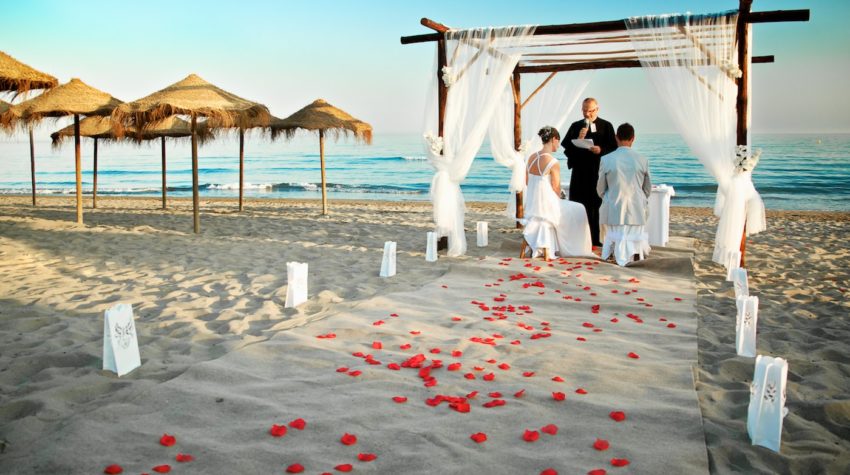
(393, 366)
(457, 353)
(478, 437)
(299, 424)
(559, 396)
(377, 345)
(581, 338)
(366, 457)
(601, 444)
(504, 366)
(295, 468)
(528, 374)
(355, 373)
(277, 430)
(113, 469)
(549, 471)
(581, 391)
(618, 416)
(342, 369)
(167, 440)
(182, 458)
(344, 467)
(597, 471)
(671, 325)
(550, 429)
(520, 393)
(454, 367)
(489, 377)
(619, 462)
(530, 435)
(558, 379)
(400, 399)
(634, 355)
(165, 468)
(405, 346)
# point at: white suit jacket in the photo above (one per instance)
(624, 187)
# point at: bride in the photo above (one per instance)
(551, 222)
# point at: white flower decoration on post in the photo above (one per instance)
(435, 143)
(449, 76)
(744, 160)
(730, 69)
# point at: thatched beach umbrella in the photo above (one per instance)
(324, 118)
(73, 98)
(96, 128)
(18, 78)
(195, 98)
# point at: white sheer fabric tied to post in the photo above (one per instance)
(687, 59)
(431, 246)
(741, 282)
(746, 325)
(733, 261)
(296, 284)
(767, 402)
(479, 63)
(389, 259)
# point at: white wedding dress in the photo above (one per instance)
(550, 222)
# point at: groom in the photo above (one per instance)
(584, 163)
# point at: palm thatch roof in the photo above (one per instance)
(104, 128)
(74, 97)
(193, 97)
(322, 116)
(18, 77)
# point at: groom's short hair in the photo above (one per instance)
(625, 131)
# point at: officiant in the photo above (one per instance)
(584, 162)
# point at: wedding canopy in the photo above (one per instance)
(73, 98)
(322, 117)
(195, 98)
(18, 78)
(698, 63)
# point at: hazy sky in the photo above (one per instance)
(287, 53)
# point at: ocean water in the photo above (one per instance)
(796, 172)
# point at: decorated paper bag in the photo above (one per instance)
(431, 247)
(742, 286)
(767, 402)
(747, 320)
(120, 343)
(388, 262)
(733, 261)
(296, 284)
(482, 234)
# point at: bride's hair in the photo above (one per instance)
(547, 133)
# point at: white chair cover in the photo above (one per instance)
(624, 241)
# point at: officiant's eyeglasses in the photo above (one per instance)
(590, 110)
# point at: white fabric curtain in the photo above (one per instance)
(551, 105)
(691, 60)
(479, 63)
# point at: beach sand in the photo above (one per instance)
(222, 360)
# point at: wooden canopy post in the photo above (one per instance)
(78, 169)
(241, 164)
(196, 202)
(322, 161)
(94, 177)
(163, 173)
(515, 87)
(32, 165)
(743, 100)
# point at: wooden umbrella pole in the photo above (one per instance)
(322, 161)
(78, 166)
(32, 165)
(241, 164)
(163, 174)
(94, 178)
(195, 199)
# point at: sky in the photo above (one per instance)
(287, 53)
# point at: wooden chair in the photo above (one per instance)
(524, 246)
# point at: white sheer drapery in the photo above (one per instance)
(479, 63)
(551, 105)
(691, 61)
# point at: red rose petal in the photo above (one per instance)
(489, 377)
(342, 369)
(495, 394)
(348, 439)
(299, 424)
(454, 366)
(634, 355)
(295, 468)
(366, 457)
(162, 468)
(550, 429)
(558, 379)
(528, 374)
(671, 325)
(597, 471)
(618, 416)
(277, 430)
(549, 471)
(182, 458)
(377, 345)
(559, 396)
(478, 437)
(581, 391)
(457, 353)
(345, 467)
(619, 462)
(530, 435)
(399, 399)
(601, 444)
(167, 440)
(405, 346)
(355, 373)
(504, 366)
(113, 469)
(520, 393)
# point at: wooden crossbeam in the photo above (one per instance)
(549, 68)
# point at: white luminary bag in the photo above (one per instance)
(431, 247)
(733, 261)
(746, 323)
(767, 402)
(388, 262)
(120, 343)
(741, 282)
(482, 233)
(296, 284)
